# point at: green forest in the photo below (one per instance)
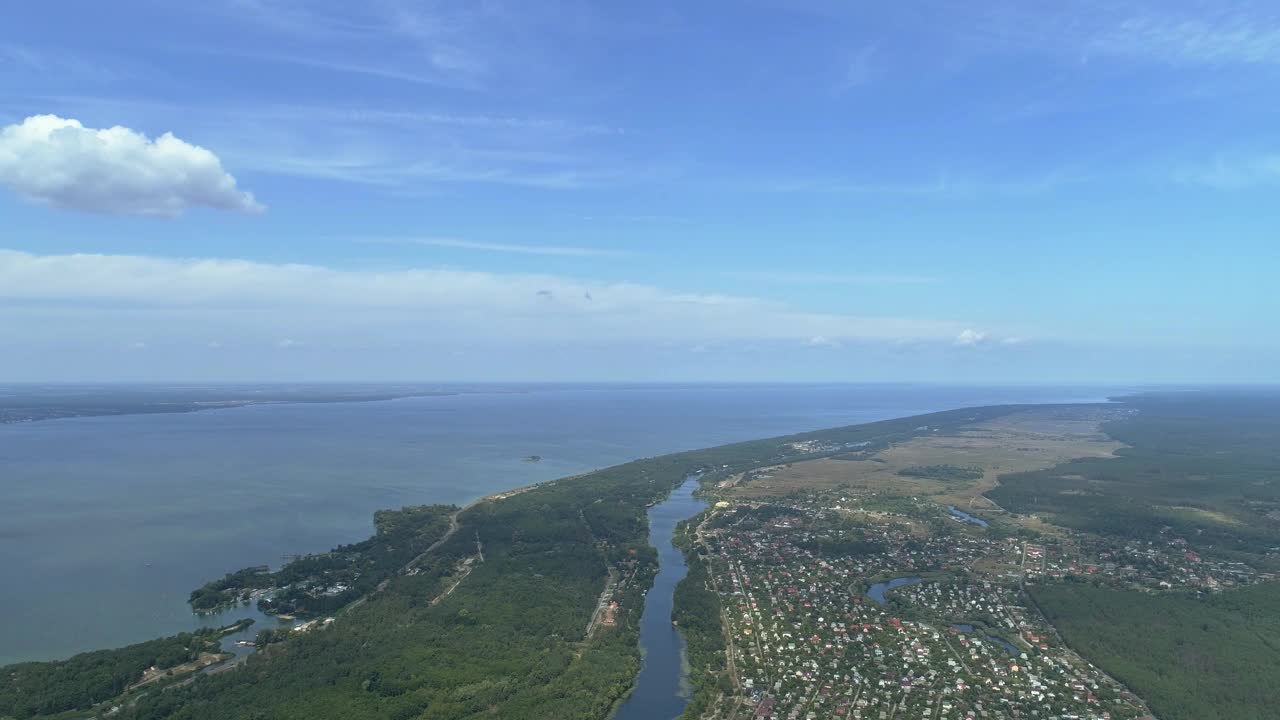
(324, 583)
(1189, 658)
(36, 689)
(1203, 465)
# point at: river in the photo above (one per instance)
(662, 687)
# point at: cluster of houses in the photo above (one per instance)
(818, 631)
(806, 447)
(1166, 563)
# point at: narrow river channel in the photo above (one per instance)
(662, 687)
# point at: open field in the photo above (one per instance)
(1020, 442)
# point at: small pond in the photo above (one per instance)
(876, 592)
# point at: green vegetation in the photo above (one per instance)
(231, 588)
(947, 473)
(271, 636)
(322, 584)
(510, 636)
(1204, 465)
(1188, 658)
(36, 689)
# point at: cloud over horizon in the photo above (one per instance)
(316, 303)
(57, 161)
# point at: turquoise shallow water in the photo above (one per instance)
(107, 523)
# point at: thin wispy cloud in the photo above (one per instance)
(820, 341)
(970, 338)
(943, 184)
(511, 248)
(538, 128)
(858, 71)
(296, 18)
(1218, 36)
(18, 58)
(444, 44)
(1198, 32)
(322, 305)
(414, 75)
(1183, 32)
(381, 163)
(1233, 172)
(805, 277)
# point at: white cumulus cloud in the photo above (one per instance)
(970, 337)
(57, 161)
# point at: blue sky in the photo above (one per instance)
(753, 190)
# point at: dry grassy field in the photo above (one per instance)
(1027, 440)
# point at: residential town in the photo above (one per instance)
(917, 614)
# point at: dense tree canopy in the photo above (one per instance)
(1189, 658)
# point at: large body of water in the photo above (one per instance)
(661, 689)
(107, 523)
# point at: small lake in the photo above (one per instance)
(1008, 646)
(261, 621)
(967, 517)
(662, 687)
(876, 592)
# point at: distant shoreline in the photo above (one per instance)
(28, 413)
